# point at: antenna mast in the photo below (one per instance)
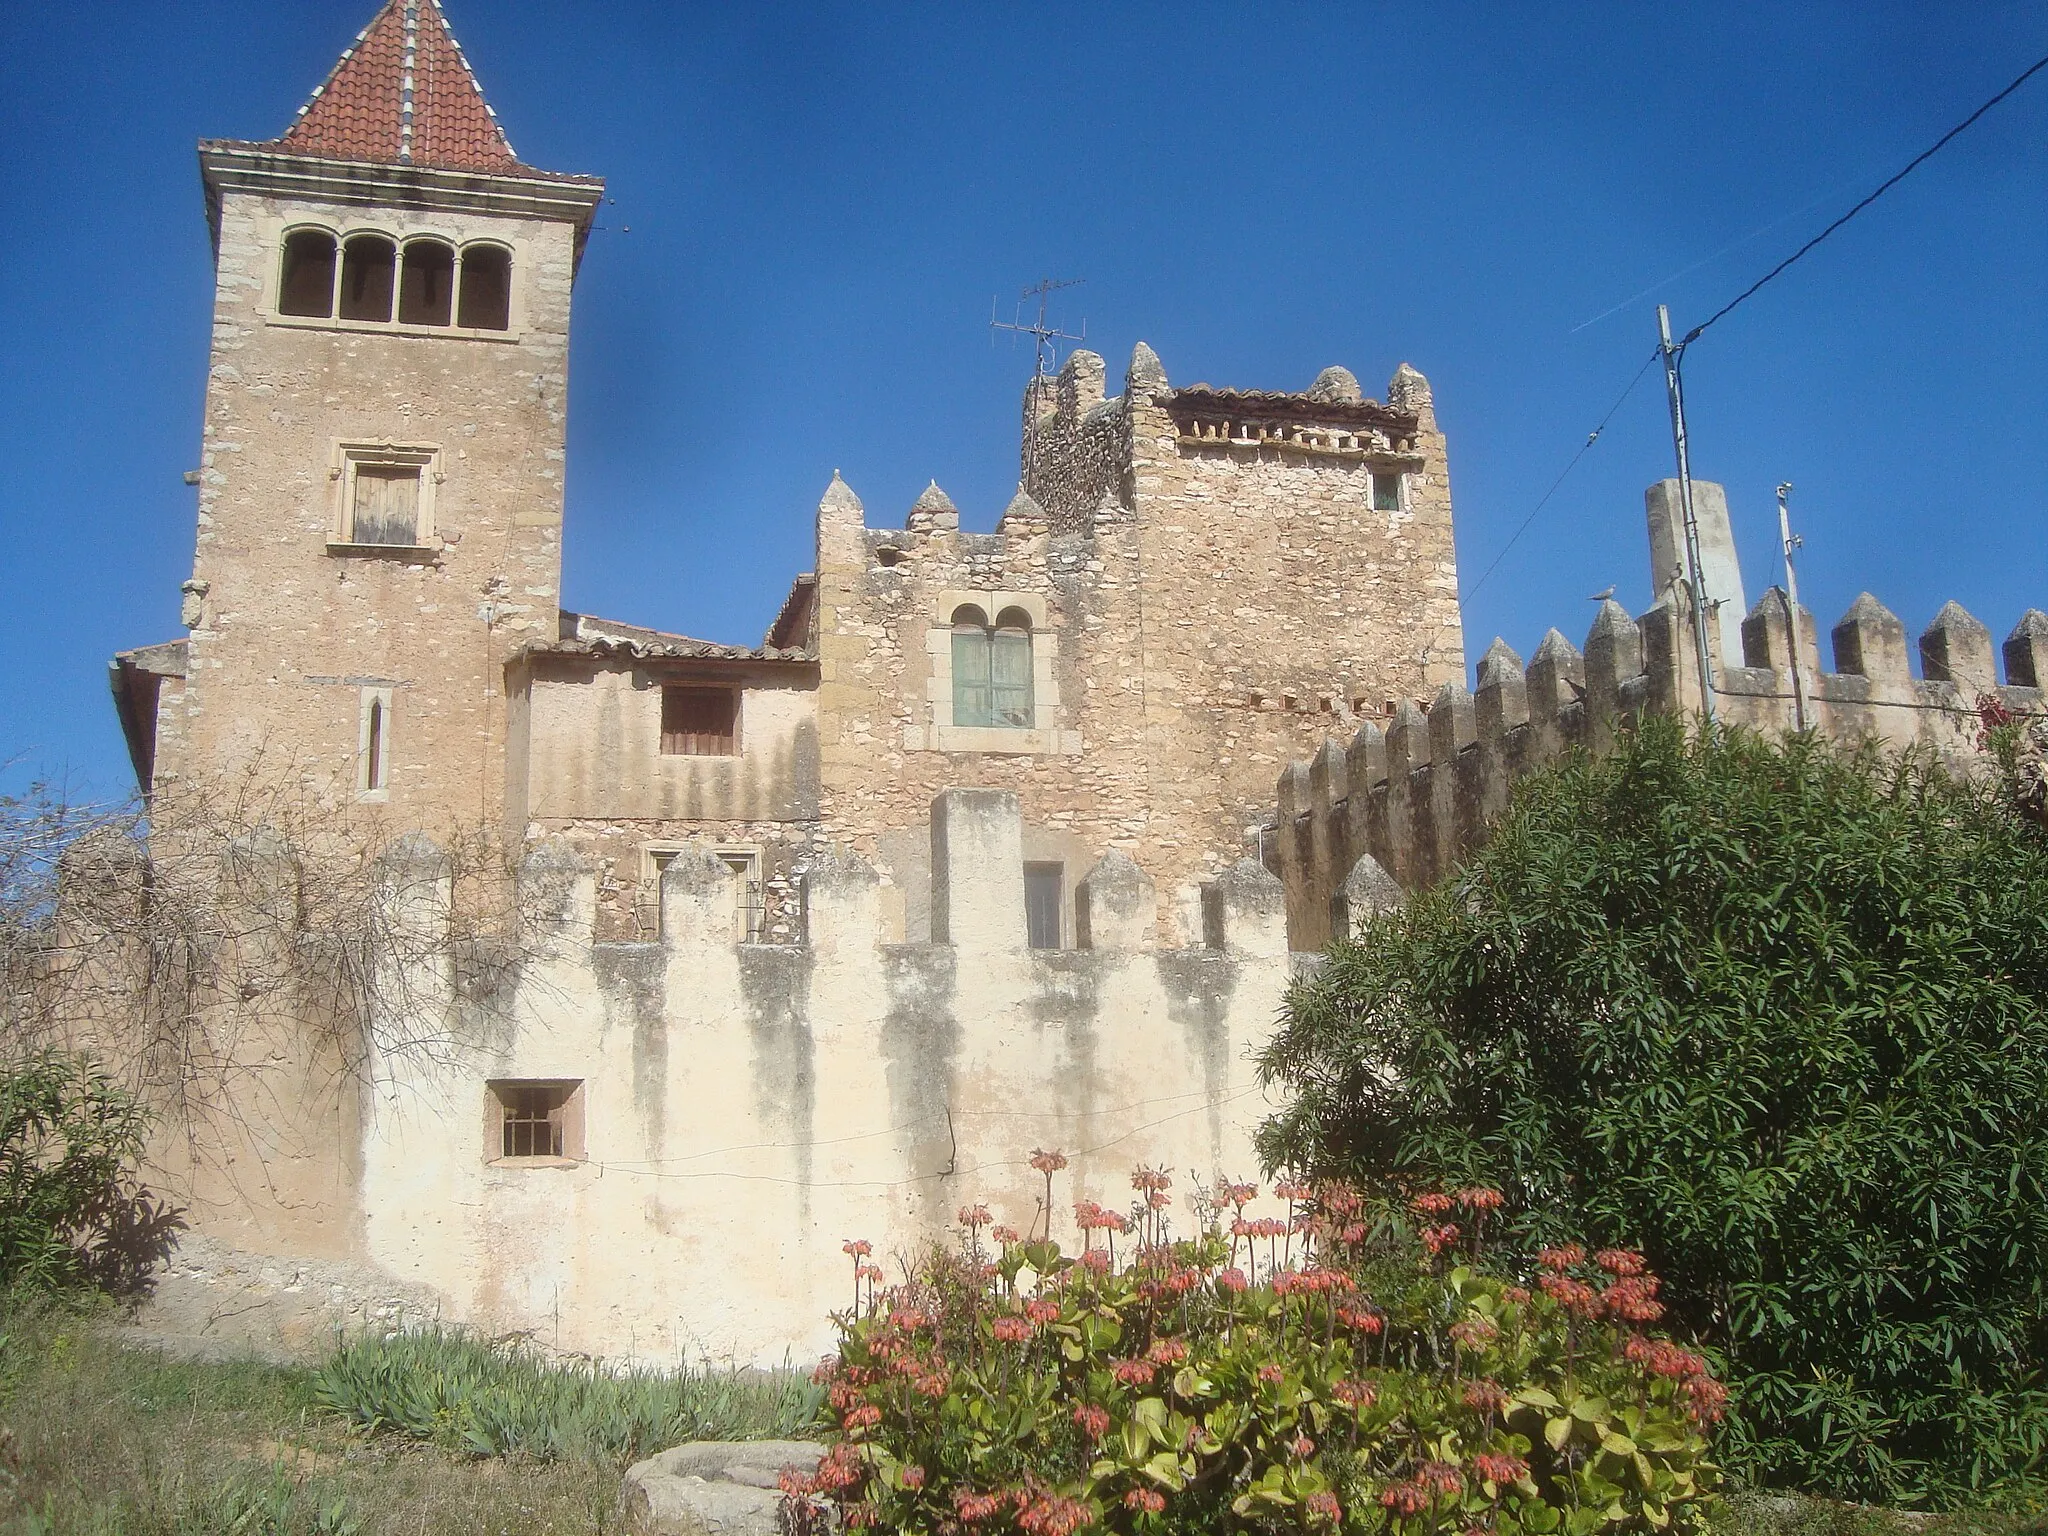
(1045, 340)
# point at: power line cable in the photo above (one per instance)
(2035, 68)
(1591, 438)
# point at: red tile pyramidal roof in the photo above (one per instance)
(403, 94)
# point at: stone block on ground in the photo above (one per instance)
(715, 1487)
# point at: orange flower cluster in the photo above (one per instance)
(1146, 1501)
(1619, 1261)
(1438, 1238)
(1499, 1467)
(1476, 1331)
(1355, 1394)
(1094, 1421)
(1012, 1329)
(1486, 1396)
(1134, 1373)
(1051, 1515)
(1324, 1507)
(1090, 1217)
(1573, 1295)
(1048, 1163)
(1632, 1299)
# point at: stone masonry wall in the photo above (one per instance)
(743, 1109)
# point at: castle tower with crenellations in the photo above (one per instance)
(1206, 581)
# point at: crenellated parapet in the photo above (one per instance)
(1399, 805)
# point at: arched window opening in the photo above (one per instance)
(305, 284)
(426, 290)
(992, 668)
(486, 302)
(368, 265)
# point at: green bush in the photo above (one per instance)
(69, 1211)
(1377, 1383)
(1776, 1013)
(505, 1398)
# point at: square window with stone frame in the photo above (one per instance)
(533, 1120)
(1386, 490)
(699, 721)
(386, 497)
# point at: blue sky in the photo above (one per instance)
(815, 206)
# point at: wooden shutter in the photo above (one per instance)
(971, 704)
(1010, 678)
(700, 722)
(387, 509)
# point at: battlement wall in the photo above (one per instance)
(1396, 808)
(733, 1112)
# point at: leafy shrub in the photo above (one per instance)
(1359, 1379)
(69, 1209)
(504, 1398)
(1774, 1012)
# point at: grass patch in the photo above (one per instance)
(506, 1399)
(101, 1440)
(1747, 1512)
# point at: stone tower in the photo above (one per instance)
(380, 491)
(1194, 586)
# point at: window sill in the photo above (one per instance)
(535, 1162)
(412, 554)
(386, 328)
(993, 739)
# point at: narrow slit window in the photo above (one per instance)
(368, 267)
(386, 506)
(305, 284)
(373, 766)
(699, 722)
(486, 303)
(534, 1118)
(1043, 884)
(373, 744)
(426, 291)
(1386, 490)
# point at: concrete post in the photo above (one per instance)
(978, 869)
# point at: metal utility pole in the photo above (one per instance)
(1694, 579)
(1792, 542)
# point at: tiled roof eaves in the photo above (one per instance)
(680, 650)
(513, 171)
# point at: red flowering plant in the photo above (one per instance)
(1355, 1366)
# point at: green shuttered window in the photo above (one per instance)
(992, 669)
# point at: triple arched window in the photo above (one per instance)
(372, 277)
(992, 668)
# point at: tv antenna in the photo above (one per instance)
(1045, 337)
